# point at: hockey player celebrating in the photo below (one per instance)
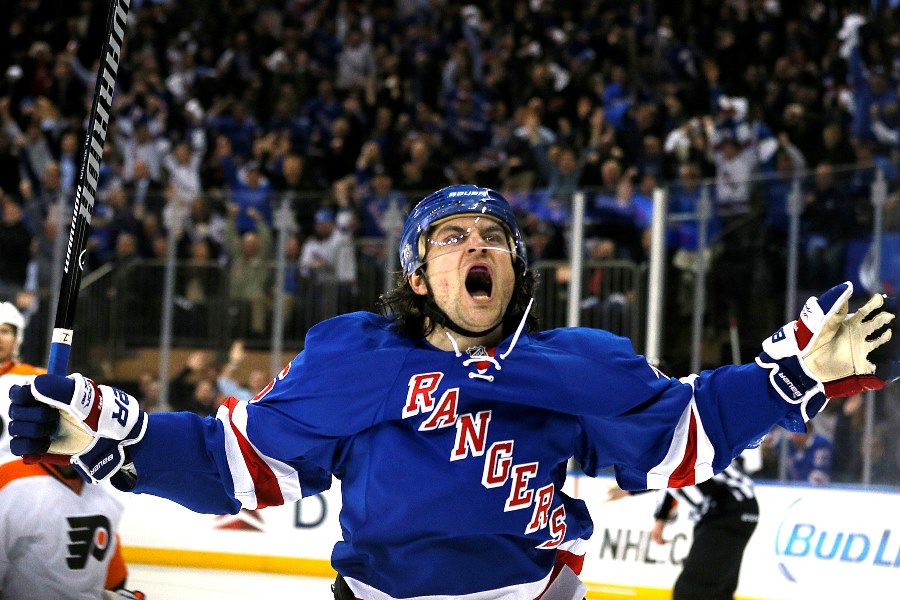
(450, 421)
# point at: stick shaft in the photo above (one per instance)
(86, 188)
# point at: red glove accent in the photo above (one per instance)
(47, 459)
(850, 386)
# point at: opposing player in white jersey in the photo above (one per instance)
(59, 536)
(450, 421)
(12, 371)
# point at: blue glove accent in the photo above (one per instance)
(55, 386)
(103, 458)
(831, 297)
(815, 405)
(32, 424)
(789, 377)
(29, 429)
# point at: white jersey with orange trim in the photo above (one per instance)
(12, 373)
(58, 536)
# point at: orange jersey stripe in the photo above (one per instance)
(116, 572)
(14, 368)
(17, 469)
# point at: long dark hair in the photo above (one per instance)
(406, 309)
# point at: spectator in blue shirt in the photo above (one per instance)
(809, 457)
(249, 190)
(376, 205)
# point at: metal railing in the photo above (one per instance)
(708, 293)
(123, 307)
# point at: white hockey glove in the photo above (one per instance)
(827, 353)
(100, 421)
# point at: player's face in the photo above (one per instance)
(7, 342)
(469, 266)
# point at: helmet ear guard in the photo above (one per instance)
(450, 202)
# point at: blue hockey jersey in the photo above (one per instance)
(452, 466)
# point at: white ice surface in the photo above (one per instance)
(175, 583)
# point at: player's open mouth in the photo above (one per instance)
(479, 282)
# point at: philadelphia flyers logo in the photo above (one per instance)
(88, 536)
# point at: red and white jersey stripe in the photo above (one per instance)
(259, 480)
(690, 456)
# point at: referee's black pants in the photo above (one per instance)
(710, 570)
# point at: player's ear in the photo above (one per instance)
(417, 284)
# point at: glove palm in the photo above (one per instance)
(841, 356)
(827, 353)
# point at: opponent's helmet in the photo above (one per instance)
(10, 314)
(451, 201)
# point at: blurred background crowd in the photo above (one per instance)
(328, 120)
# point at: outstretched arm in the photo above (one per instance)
(663, 432)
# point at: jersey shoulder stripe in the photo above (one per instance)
(26, 369)
(23, 369)
(17, 469)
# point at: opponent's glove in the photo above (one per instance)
(110, 418)
(827, 353)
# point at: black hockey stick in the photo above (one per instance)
(86, 188)
(70, 436)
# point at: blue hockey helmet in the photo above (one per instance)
(455, 200)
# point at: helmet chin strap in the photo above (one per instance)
(433, 312)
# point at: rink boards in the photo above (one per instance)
(822, 542)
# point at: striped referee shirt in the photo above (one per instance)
(726, 490)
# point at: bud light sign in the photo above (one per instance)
(816, 543)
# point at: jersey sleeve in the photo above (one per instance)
(337, 387)
(659, 431)
(182, 457)
(282, 444)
